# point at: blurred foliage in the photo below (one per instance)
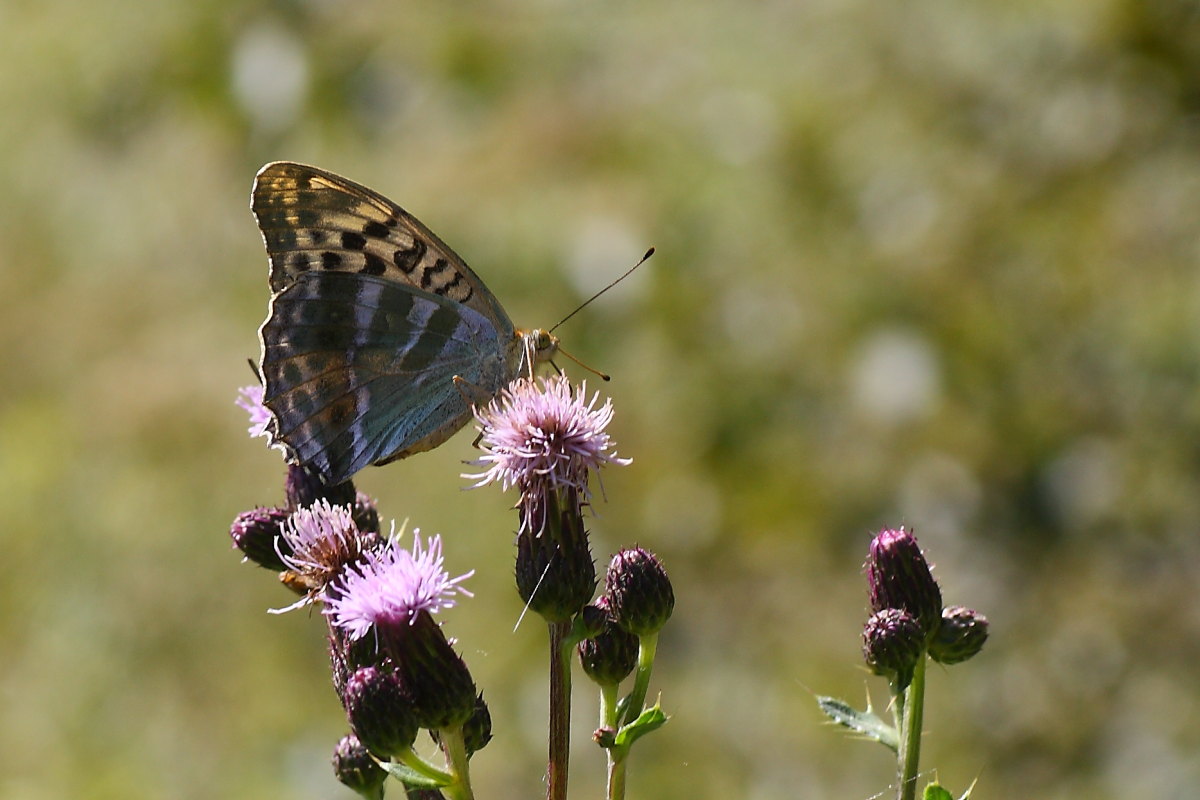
(926, 263)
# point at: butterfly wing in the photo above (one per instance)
(372, 317)
(360, 369)
(315, 220)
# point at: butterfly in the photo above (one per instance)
(379, 338)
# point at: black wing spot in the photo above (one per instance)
(374, 265)
(353, 241)
(316, 236)
(330, 260)
(430, 272)
(407, 258)
(299, 262)
(376, 230)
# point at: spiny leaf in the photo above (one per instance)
(865, 723)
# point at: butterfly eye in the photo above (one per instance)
(547, 344)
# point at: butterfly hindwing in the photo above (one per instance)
(360, 369)
(314, 220)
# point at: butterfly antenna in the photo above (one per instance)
(593, 370)
(585, 303)
(254, 369)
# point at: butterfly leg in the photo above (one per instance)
(474, 395)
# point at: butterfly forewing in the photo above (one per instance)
(315, 220)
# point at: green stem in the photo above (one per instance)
(455, 748)
(911, 719)
(641, 682)
(560, 711)
(616, 773)
(410, 759)
(609, 703)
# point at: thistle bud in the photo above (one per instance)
(365, 513)
(554, 569)
(305, 486)
(440, 684)
(893, 641)
(638, 591)
(610, 655)
(380, 709)
(593, 618)
(254, 533)
(960, 635)
(346, 655)
(898, 576)
(477, 731)
(353, 766)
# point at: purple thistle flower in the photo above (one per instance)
(250, 398)
(316, 544)
(391, 586)
(543, 435)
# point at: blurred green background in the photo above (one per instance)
(923, 263)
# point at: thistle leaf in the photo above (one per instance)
(865, 723)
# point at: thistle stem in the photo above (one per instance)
(911, 713)
(616, 760)
(455, 748)
(560, 711)
(647, 645)
(616, 773)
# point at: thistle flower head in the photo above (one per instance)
(250, 398)
(390, 586)
(544, 435)
(318, 543)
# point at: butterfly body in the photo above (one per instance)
(379, 337)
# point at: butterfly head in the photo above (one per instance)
(539, 347)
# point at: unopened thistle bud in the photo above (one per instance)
(611, 654)
(353, 766)
(255, 533)
(638, 592)
(898, 576)
(347, 655)
(594, 618)
(477, 731)
(365, 513)
(380, 710)
(893, 642)
(442, 688)
(960, 635)
(304, 486)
